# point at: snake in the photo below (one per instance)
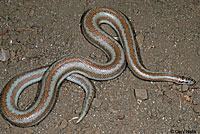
(81, 70)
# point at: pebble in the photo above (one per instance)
(96, 103)
(4, 55)
(183, 108)
(140, 39)
(195, 101)
(121, 117)
(31, 13)
(141, 93)
(184, 88)
(196, 108)
(63, 124)
(41, 40)
(34, 27)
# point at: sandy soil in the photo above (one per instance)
(41, 32)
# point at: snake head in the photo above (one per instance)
(186, 80)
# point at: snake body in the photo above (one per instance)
(80, 69)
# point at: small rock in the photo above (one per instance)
(34, 27)
(63, 124)
(140, 39)
(184, 109)
(195, 102)
(121, 117)
(41, 40)
(139, 101)
(96, 103)
(31, 13)
(141, 93)
(116, 38)
(184, 88)
(4, 55)
(196, 108)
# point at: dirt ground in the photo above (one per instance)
(168, 31)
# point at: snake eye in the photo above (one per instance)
(192, 82)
